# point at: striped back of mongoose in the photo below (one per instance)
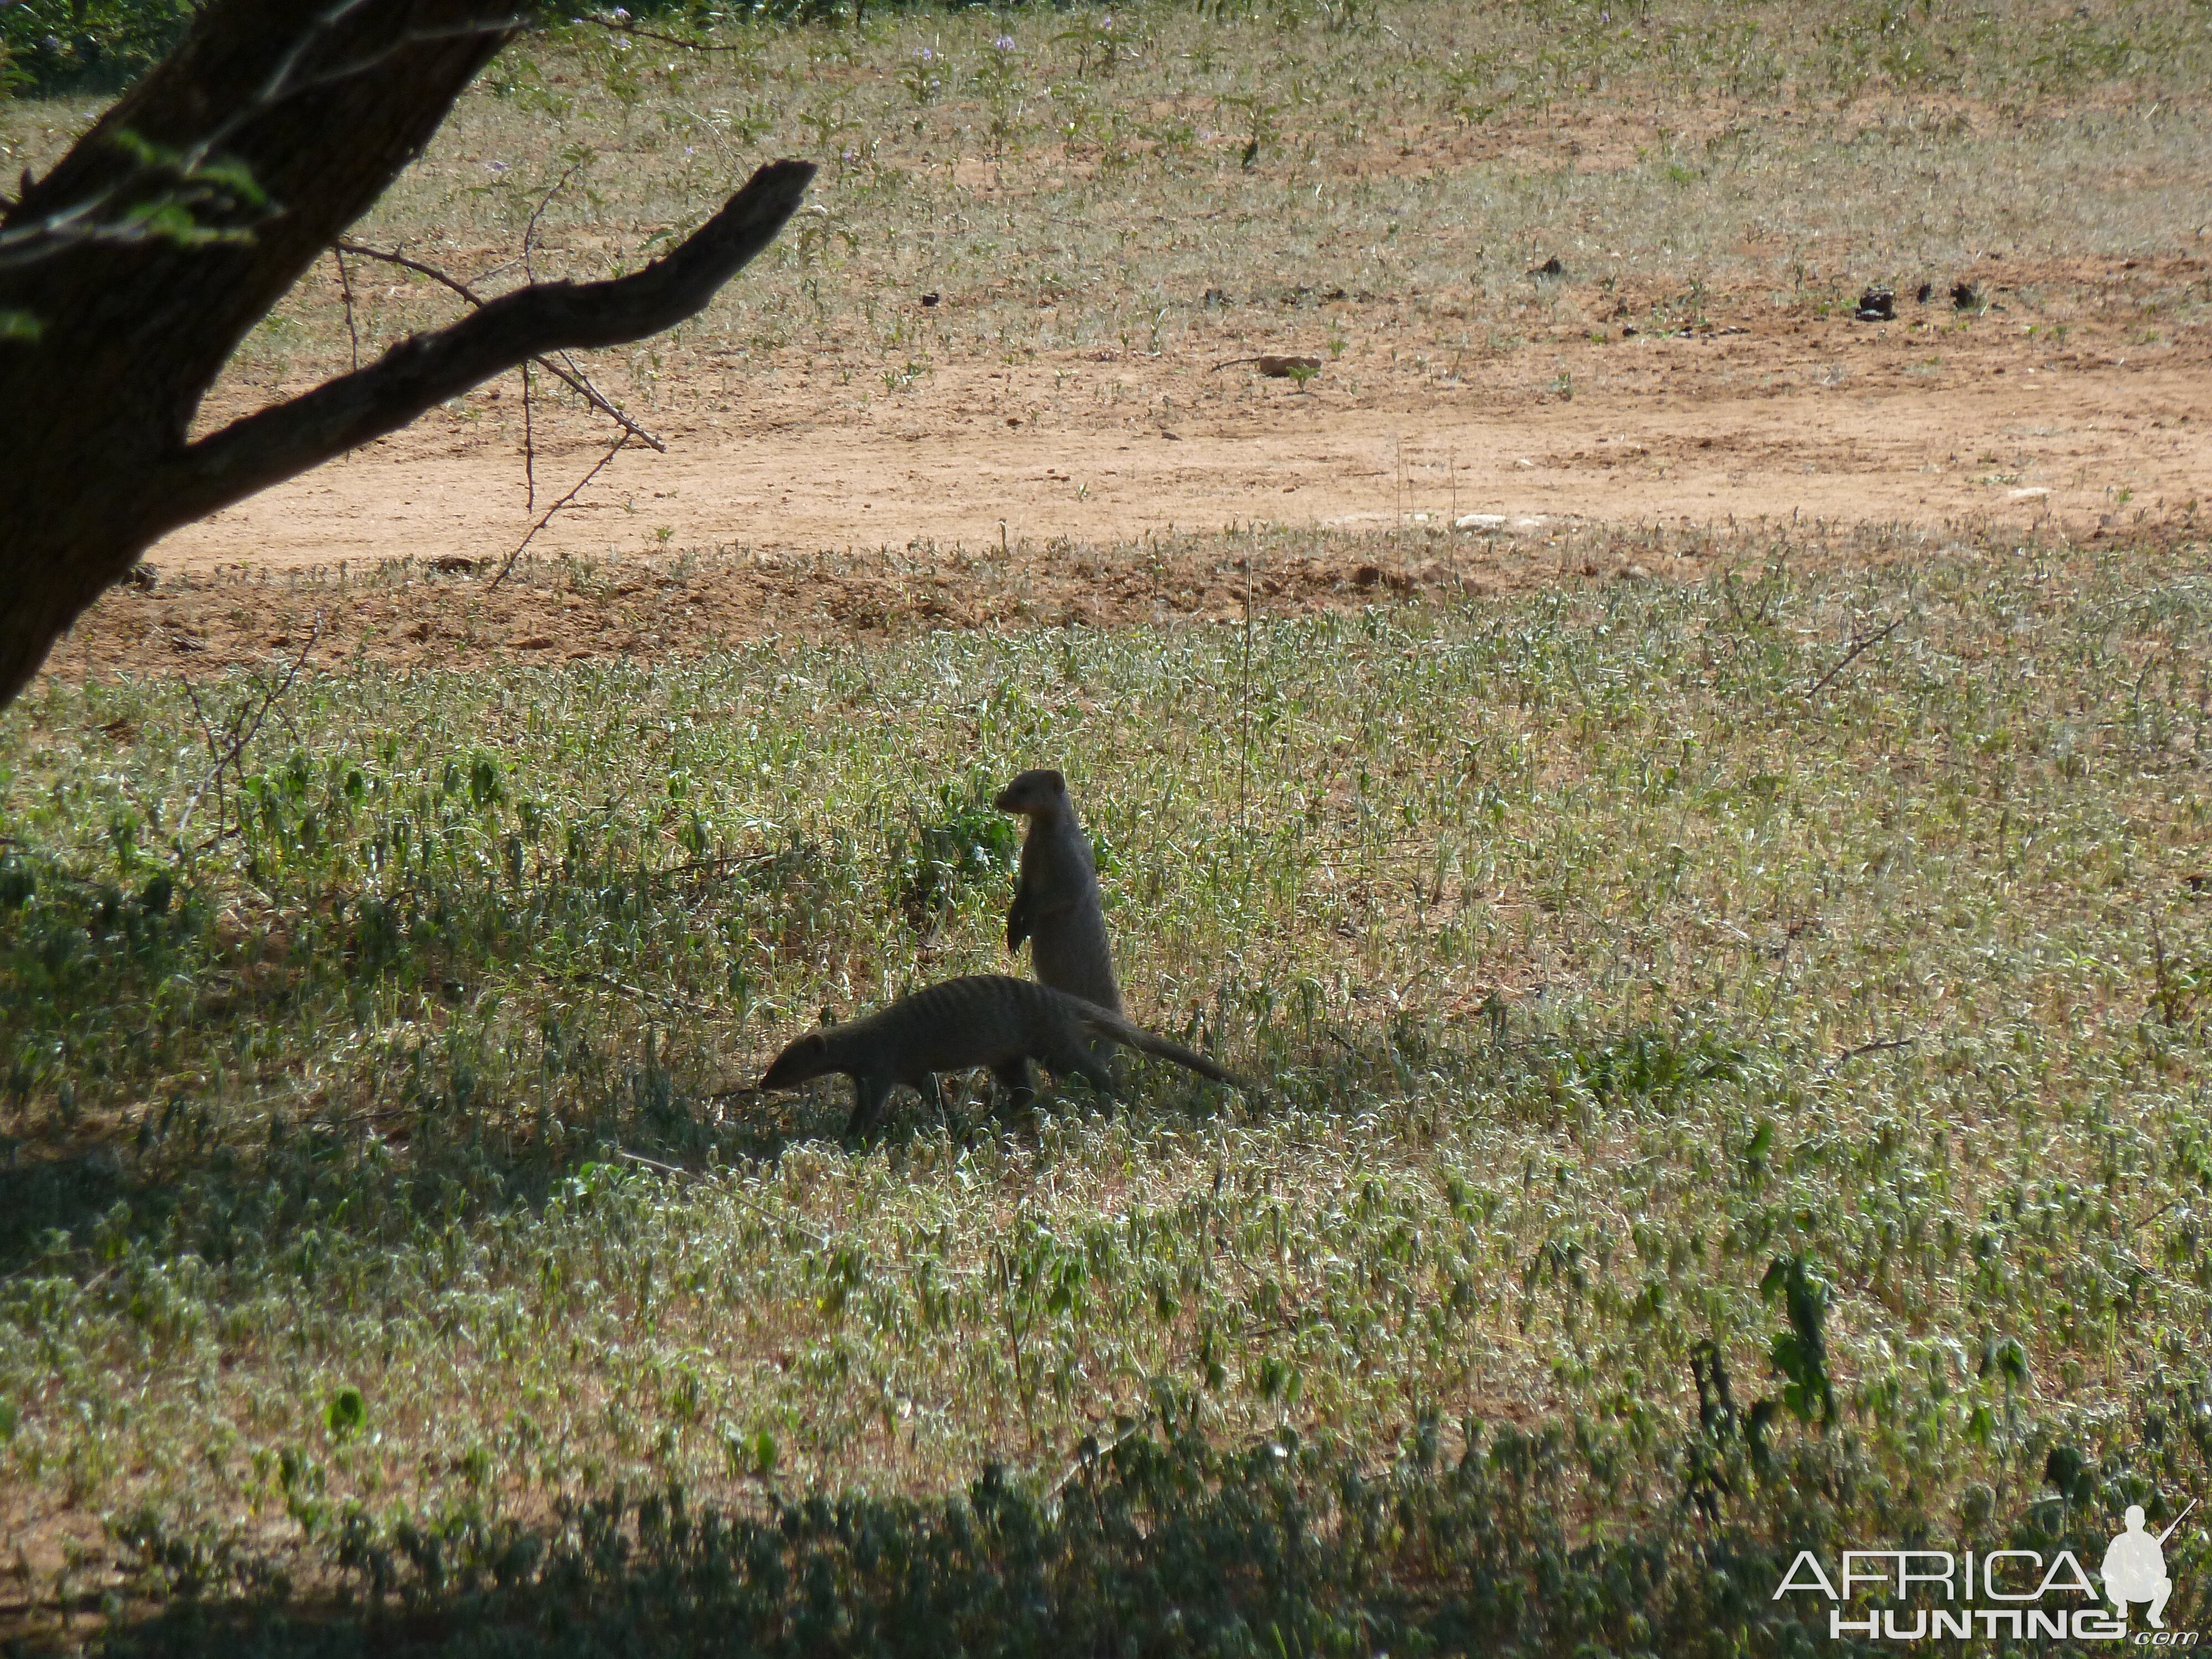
(990, 1020)
(1056, 905)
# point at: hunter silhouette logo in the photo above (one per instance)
(2019, 1595)
(2135, 1566)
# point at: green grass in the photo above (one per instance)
(1595, 966)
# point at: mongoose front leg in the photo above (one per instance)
(868, 1094)
(936, 1092)
(1017, 920)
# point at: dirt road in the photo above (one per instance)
(1933, 418)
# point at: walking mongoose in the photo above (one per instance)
(1056, 906)
(1273, 368)
(992, 1020)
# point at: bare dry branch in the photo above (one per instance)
(1860, 645)
(546, 518)
(565, 370)
(287, 438)
(227, 747)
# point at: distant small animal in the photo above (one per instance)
(1056, 905)
(990, 1020)
(1275, 368)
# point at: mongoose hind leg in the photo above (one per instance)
(1014, 1076)
(1091, 1061)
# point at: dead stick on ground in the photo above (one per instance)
(821, 1241)
(1875, 1048)
(1863, 643)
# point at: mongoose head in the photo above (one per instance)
(801, 1063)
(1039, 791)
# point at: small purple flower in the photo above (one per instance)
(926, 56)
(495, 167)
(621, 14)
(852, 154)
(1004, 43)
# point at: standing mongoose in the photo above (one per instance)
(986, 1019)
(1056, 905)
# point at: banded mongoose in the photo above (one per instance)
(992, 1020)
(1273, 368)
(1056, 906)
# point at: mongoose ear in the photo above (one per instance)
(1056, 783)
(815, 1043)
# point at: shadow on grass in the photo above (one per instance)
(182, 1177)
(1156, 1545)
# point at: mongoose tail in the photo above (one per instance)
(1107, 1024)
(990, 1020)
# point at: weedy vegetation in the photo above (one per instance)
(1717, 1106)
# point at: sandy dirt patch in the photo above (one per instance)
(1095, 489)
(1936, 416)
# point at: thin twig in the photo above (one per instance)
(821, 1241)
(2162, 1209)
(665, 1000)
(617, 26)
(391, 257)
(1085, 1461)
(1863, 642)
(1850, 1054)
(530, 230)
(579, 382)
(243, 727)
(345, 291)
(545, 518)
(529, 445)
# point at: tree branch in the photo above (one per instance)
(564, 371)
(286, 440)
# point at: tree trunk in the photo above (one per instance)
(323, 108)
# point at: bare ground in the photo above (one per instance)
(1094, 487)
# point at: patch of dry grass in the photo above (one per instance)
(1081, 182)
